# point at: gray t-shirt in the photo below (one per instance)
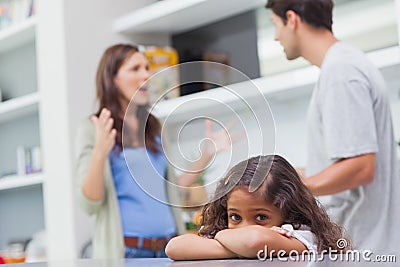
(349, 115)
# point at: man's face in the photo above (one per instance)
(285, 34)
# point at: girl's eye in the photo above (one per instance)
(235, 217)
(135, 68)
(261, 217)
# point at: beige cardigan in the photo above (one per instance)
(107, 238)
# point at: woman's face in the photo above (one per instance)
(130, 78)
(245, 208)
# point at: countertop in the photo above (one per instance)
(164, 262)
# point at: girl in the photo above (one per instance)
(127, 223)
(243, 221)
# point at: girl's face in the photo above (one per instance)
(131, 76)
(245, 208)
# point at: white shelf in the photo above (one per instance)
(290, 84)
(230, 95)
(174, 16)
(11, 182)
(385, 57)
(18, 107)
(18, 34)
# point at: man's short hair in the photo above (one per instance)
(317, 13)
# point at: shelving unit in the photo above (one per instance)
(19, 107)
(18, 34)
(12, 182)
(289, 84)
(174, 16)
(282, 83)
(19, 124)
(19, 113)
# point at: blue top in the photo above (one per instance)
(141, 214)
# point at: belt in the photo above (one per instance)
(154, 244)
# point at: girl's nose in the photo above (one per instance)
(246, 223)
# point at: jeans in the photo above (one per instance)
(131, 252)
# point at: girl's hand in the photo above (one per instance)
(281, 231)
(221, 140)
(105, 134)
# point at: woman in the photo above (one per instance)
(129, 222)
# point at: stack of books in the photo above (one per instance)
(28, 160)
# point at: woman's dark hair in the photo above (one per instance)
(281, 186)
(109, 97)
(317, 13)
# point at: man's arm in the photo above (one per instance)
(248, 241)
(194, 247)
(343, 175)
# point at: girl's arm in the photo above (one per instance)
(248, 241)
(194, 247)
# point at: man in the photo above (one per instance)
(351, 158)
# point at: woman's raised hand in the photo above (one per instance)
(221, 140)
(105, 134)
